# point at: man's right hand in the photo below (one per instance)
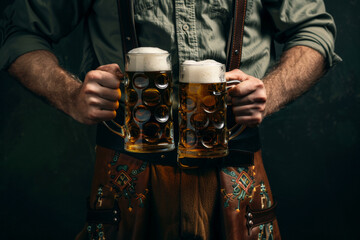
(88, 102)
(98, 97)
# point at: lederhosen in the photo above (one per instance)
(149, 196)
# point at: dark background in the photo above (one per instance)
(310, 150)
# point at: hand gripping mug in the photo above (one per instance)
(202, 112)
(148, 102)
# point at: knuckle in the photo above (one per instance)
(257, 118)
(264, 97)
(104, 67)
(116, 67)
(261, 98)
(237, 71)
(262, 107)
(93, 101)
(89, 89)
(93, 75)
(92, 114)
(258, 84)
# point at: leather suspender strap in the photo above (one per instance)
(236, 35)
(253, 217)
(257, 217)
(234, 44)
(127, 25)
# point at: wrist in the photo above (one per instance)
(68, 94)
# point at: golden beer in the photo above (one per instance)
(148, 102)
(202, 111)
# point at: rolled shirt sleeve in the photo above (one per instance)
(34, 25)
(305, 23)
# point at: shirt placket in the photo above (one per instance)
(185, 23)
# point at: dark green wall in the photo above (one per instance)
(310, 151)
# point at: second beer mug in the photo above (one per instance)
(202, 112)
(148, 103)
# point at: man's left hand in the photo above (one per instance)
(248, 98)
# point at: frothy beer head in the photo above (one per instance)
(148, 59)
(207, 71)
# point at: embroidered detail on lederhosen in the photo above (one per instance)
(123, 180)
(266, 230)
(96, 231)
(99, 196)
(246, 186)
(243, 185)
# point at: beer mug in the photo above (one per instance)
(148, 102)
(202, 110)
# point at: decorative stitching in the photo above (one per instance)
(123, 181)
(243, 186)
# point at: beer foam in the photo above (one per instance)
(207, 71)
(148, 59)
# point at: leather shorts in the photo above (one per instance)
(139, 199)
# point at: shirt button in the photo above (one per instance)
(185, 27)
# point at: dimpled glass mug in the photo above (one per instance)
(148, 102)
(202, 112)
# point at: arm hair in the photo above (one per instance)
(299, 69)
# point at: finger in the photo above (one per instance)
(93, 88)
(99, 115)
(246, 87)
(104, 104)
(103, 78)
(109, 93)
(112, 68)
(251, 121)
(236, 74)
(248, 110)
(254, 97)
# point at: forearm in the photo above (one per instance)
(91, 101)
(39, 71)
(299, 68)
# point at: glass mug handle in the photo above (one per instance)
(238, 128)
(122, 128)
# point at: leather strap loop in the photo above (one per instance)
(258, 217)
(104, 216)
